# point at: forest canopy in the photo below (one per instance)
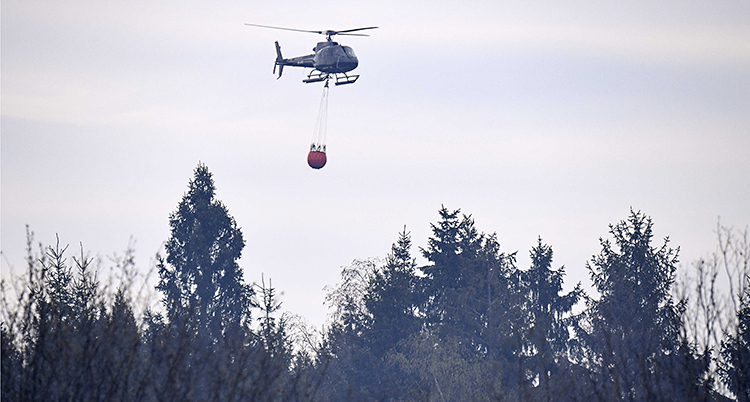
(470, 324)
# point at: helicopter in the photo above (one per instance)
(330, 60)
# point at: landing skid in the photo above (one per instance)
(341, 78)
(346, 79)
(316, 76)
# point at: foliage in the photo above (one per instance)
(467, 325)
(548, 335)
(735, 352)
(635, 325)
(201, 278)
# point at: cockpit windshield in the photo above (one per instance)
(349, 52)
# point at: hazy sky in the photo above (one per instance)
(538, 118)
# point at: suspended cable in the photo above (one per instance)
(316, 158)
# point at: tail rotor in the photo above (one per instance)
(279, 61)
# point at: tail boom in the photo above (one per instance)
(302, 61)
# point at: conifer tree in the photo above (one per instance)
(735, 353)
(392, 299)
(474, 299)
(207, 344)
(276, 356)
(454, 245)
(120, 356)
(11, 365)
(201, 280)
(347, 361)
(272, 329)
(634, 325)
(548, 333)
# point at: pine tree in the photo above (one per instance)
(120, 357)
(201, 280)
(376, 312)
(548, 333)
(272, 329)
(277, 345)
(346, 360)
(634, 325)
(392, 299)
(452, 251)
(207, 350)
(735, 353)
(474, 299)
(11, 366)
(63, 341)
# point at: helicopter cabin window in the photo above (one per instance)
(349, 51)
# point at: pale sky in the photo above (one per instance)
(538, 118)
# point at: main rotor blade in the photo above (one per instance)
(285, 29)
(355, 29)
(349, 34)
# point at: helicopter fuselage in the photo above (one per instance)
(330, 57)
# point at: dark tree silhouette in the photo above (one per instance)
(392, 299)
(208, 349)
(11, 370)
(469, 325)
(120, 358)
(273, 333)
(551, 320)
(272, 328)
(55, 343)
(474, 299)
(344, 357)
(735, 352)
(201, 280)
(465, 265)
(634, 333)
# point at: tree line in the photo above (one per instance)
(469, 325)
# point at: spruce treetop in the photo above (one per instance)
(201, 278)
